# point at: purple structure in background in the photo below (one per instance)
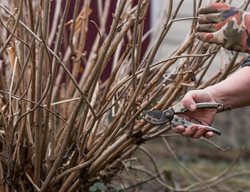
(92, 28)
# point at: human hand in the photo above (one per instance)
(202, 116)
(223, 24)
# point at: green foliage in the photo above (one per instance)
(98, 187)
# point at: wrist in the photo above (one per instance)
(216, 95)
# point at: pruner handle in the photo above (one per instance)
(182, 121)
(180, 108)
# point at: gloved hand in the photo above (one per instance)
(225, 25)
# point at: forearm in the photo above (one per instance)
(233, 91)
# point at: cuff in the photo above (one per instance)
(246, 62)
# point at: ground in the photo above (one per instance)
(201, 159)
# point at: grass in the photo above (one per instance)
(191, 155)
(206, 169)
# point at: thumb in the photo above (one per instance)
(188, 101)
(192, 97)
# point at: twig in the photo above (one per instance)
(216, 179)
(32, 182)
(207, 187)
(55, 56)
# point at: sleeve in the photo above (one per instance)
(246, 62)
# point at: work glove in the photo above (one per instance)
(225, 25)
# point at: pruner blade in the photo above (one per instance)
(158, 117)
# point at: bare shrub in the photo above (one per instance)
(62, 127)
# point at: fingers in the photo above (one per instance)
(214, 13)
(189, 102)
(210, 37)
(212, 33)
(211, 27)
(208, 134)
(208, 28)
(214, 8)
(214, 19)
(195, 96)
(193, 131)
(210, 18)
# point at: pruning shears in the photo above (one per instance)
(160, 117)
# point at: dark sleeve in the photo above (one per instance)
(246, 62)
